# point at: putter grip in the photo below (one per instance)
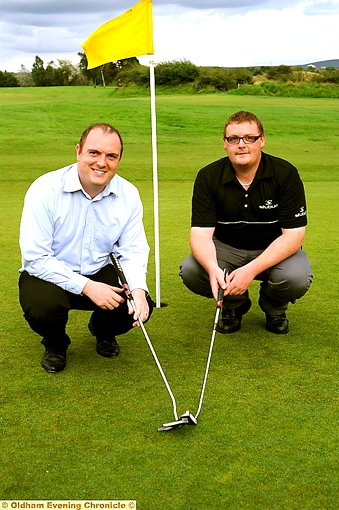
(221, 292)
(118, 268)
(220, 297)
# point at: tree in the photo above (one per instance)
(62, 73)
(24, 77)
(92, 75)
(107, 73)
(38, 72)
(243, 76)
(127, 62)
(8, 79)
(331, 75)
(50, 75)
(68, 73)
(280, 73)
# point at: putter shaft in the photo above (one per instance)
(129, 295)
(216, 319)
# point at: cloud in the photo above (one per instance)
(33, 39)
(256, 37)
(324, 8)
(206, 32)
(37, 7)
(51, 12)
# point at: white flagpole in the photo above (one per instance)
(155, 187)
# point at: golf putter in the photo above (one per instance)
(188, 418)
(216, 319)
(185, 419)
(129, 295)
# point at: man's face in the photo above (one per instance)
(244, 155)
(98, 160)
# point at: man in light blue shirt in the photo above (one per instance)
(72, 219)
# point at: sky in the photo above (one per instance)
(226, 33)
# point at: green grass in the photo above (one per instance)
(267, 436)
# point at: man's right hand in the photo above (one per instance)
(217, 280)
(103, 295)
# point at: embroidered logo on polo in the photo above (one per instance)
(268, 205)
(302, 212)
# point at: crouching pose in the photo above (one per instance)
(72, 219)
(248, 217)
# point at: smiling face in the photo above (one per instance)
(98, 160)
(244, 156)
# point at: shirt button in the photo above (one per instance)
(246, 195)
(246, 205)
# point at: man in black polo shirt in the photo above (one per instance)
(248, 216)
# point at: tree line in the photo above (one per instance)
(129, 72)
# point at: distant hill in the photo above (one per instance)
(323, 63)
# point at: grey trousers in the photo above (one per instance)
(281, 284)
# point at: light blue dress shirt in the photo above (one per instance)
(65, 234)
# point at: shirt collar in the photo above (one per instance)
(264, 170)
(72, 183)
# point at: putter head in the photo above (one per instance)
(190, 419)
(185, 419)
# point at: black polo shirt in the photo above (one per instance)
(250, 219)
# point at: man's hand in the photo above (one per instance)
(239, 280)
(217, 281)
(103, 295)
(204, 251)
(280, 249)
(141, 306)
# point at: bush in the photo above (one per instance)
(280, 73)
(242, 76)
(137, 75)
(8, 79)
(270, 88)
(331, 76)
(216, 78)
(176, 72)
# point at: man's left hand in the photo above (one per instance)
(141, 305)
(238, 281)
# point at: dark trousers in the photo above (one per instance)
(281, 284)
(46, 307)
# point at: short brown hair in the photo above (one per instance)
(107, 129)
(242, 116)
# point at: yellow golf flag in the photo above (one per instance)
(128, 35)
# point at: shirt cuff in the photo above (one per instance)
(76, 284)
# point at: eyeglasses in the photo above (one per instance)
(233, 140)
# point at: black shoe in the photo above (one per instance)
(277, 323)
(107, 348)
(230, 321)
(54, 361)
